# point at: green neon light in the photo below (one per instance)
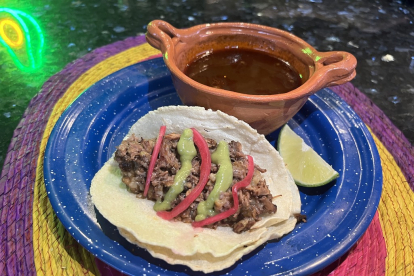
(16, 28)
(307, 51)
(34, 55)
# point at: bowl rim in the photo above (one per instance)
(318, 76)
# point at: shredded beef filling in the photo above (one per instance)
(134, 155)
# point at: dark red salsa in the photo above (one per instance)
(244, 71)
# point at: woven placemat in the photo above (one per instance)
(35, 242)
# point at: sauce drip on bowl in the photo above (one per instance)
(244, 71)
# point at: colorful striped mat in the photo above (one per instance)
(35, 242)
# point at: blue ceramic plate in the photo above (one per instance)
(89, 130)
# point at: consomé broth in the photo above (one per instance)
(244, 71)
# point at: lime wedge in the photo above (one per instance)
(306, 166)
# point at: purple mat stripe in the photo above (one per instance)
(17, 177)
(19, 170)
(392, 138)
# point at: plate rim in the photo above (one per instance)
(363, 225)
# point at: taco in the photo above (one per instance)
(130, 196)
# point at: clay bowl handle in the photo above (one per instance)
(160, 35)
(335, 68)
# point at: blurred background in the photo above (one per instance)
(379, 33)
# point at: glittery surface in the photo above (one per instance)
(380, 34)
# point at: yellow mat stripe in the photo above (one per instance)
(52, 244)
(55, 251)
(396, 209)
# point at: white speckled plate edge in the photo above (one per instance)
(338, 214)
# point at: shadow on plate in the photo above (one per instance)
(317, 190)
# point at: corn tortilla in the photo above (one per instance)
(206, 262)
(176, 242)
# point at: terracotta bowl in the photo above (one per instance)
(265, 113)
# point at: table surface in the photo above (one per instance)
(380, 34)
